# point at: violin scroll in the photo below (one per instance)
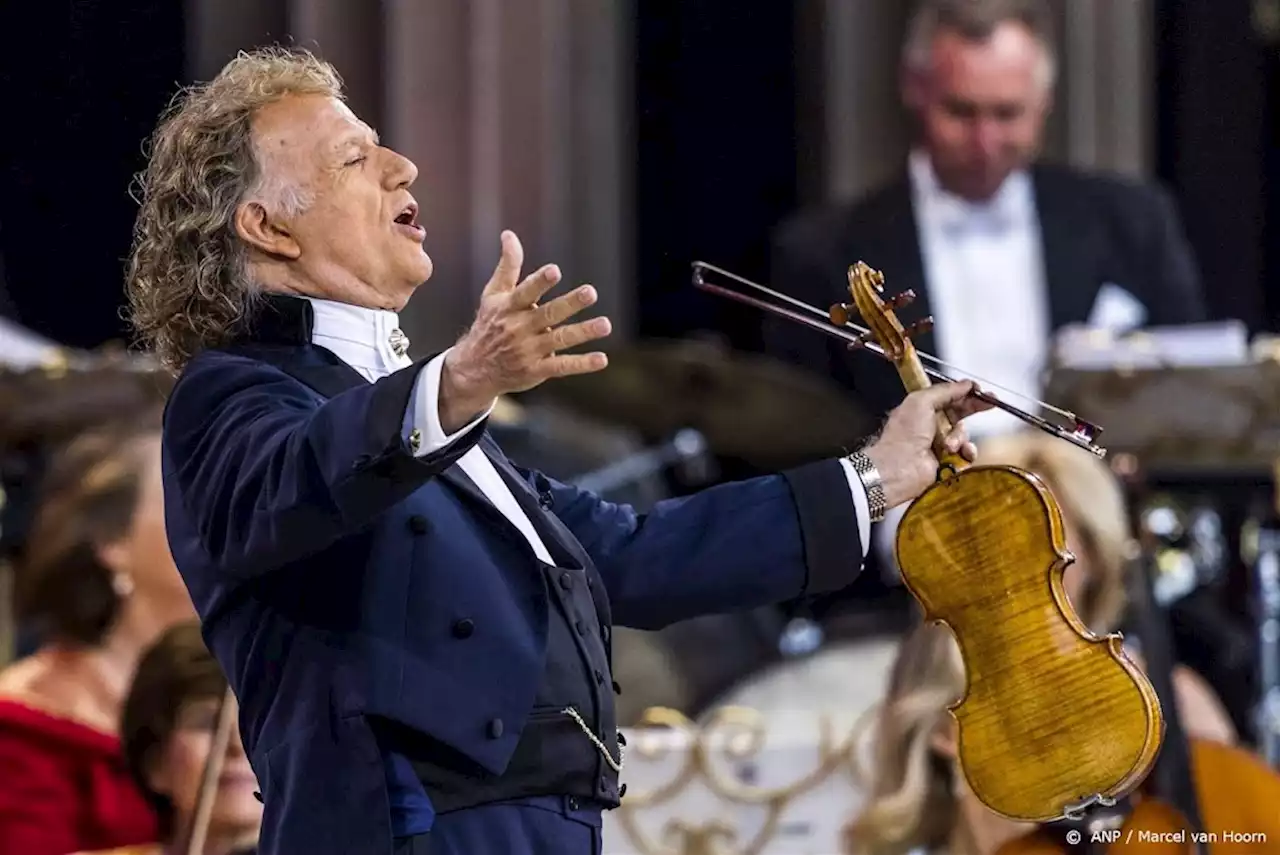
(866, 284)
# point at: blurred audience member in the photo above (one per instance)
(42, 410)
(1001, 249)
(96, 578)
(918, 802)
(168, 729)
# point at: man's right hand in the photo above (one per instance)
(904, 451)
(512, 345)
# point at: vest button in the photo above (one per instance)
(544, 501)
(418, 524)
(495, 729)
(463, 629)
(566, 581)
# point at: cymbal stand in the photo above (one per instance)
(1267, 599)
(688, 448)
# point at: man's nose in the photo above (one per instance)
(401, 171)
(988, 136)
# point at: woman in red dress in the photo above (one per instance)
(96, 578)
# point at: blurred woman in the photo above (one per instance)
(168, 728)
(41, 410)
(917, 801)
(96, 579)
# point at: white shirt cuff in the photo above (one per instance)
(860, 504)
(423, 413)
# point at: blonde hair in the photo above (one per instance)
(910, 789)
(187, 280)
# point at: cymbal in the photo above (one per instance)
(749, 407)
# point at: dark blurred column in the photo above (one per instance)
(516, 114)
(1213, 82)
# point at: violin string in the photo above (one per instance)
(928, 357)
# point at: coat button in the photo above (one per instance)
(617, 690)
(604, 633)
(622, 791)
(495, 729)
(573, 803)
(566, 581)
(418, 524)
(599, 678)
(581, 627)
(463, 629)
(544, 501)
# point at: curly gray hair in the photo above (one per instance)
(187, 281)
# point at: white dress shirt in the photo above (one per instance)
(362, 338)
(984, 274)
(984, 271)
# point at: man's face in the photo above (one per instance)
(982, 107)
(357, 238)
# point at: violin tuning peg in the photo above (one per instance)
(906, 298)
(841, 313)
(920, 326)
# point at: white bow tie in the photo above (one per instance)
(956, 214)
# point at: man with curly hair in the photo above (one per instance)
(417, 629)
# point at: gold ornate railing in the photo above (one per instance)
(732, 734)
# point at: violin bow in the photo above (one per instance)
(198, 833)
(836, 322)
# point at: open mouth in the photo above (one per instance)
(409, 216)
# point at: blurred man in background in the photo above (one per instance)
(1002, 250)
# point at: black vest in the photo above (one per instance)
(555, 755)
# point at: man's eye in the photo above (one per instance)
(355, 160)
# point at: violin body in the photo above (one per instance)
(1053, 717)
(1239, 799)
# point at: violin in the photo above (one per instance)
(1054, 719)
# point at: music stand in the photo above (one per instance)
(1181, 422)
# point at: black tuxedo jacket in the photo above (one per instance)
(1095, 229)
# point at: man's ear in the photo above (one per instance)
(256, 227)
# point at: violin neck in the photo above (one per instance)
(914, 379)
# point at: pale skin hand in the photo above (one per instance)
(904, 451)
(512, 345)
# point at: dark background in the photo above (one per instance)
(83, 82)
